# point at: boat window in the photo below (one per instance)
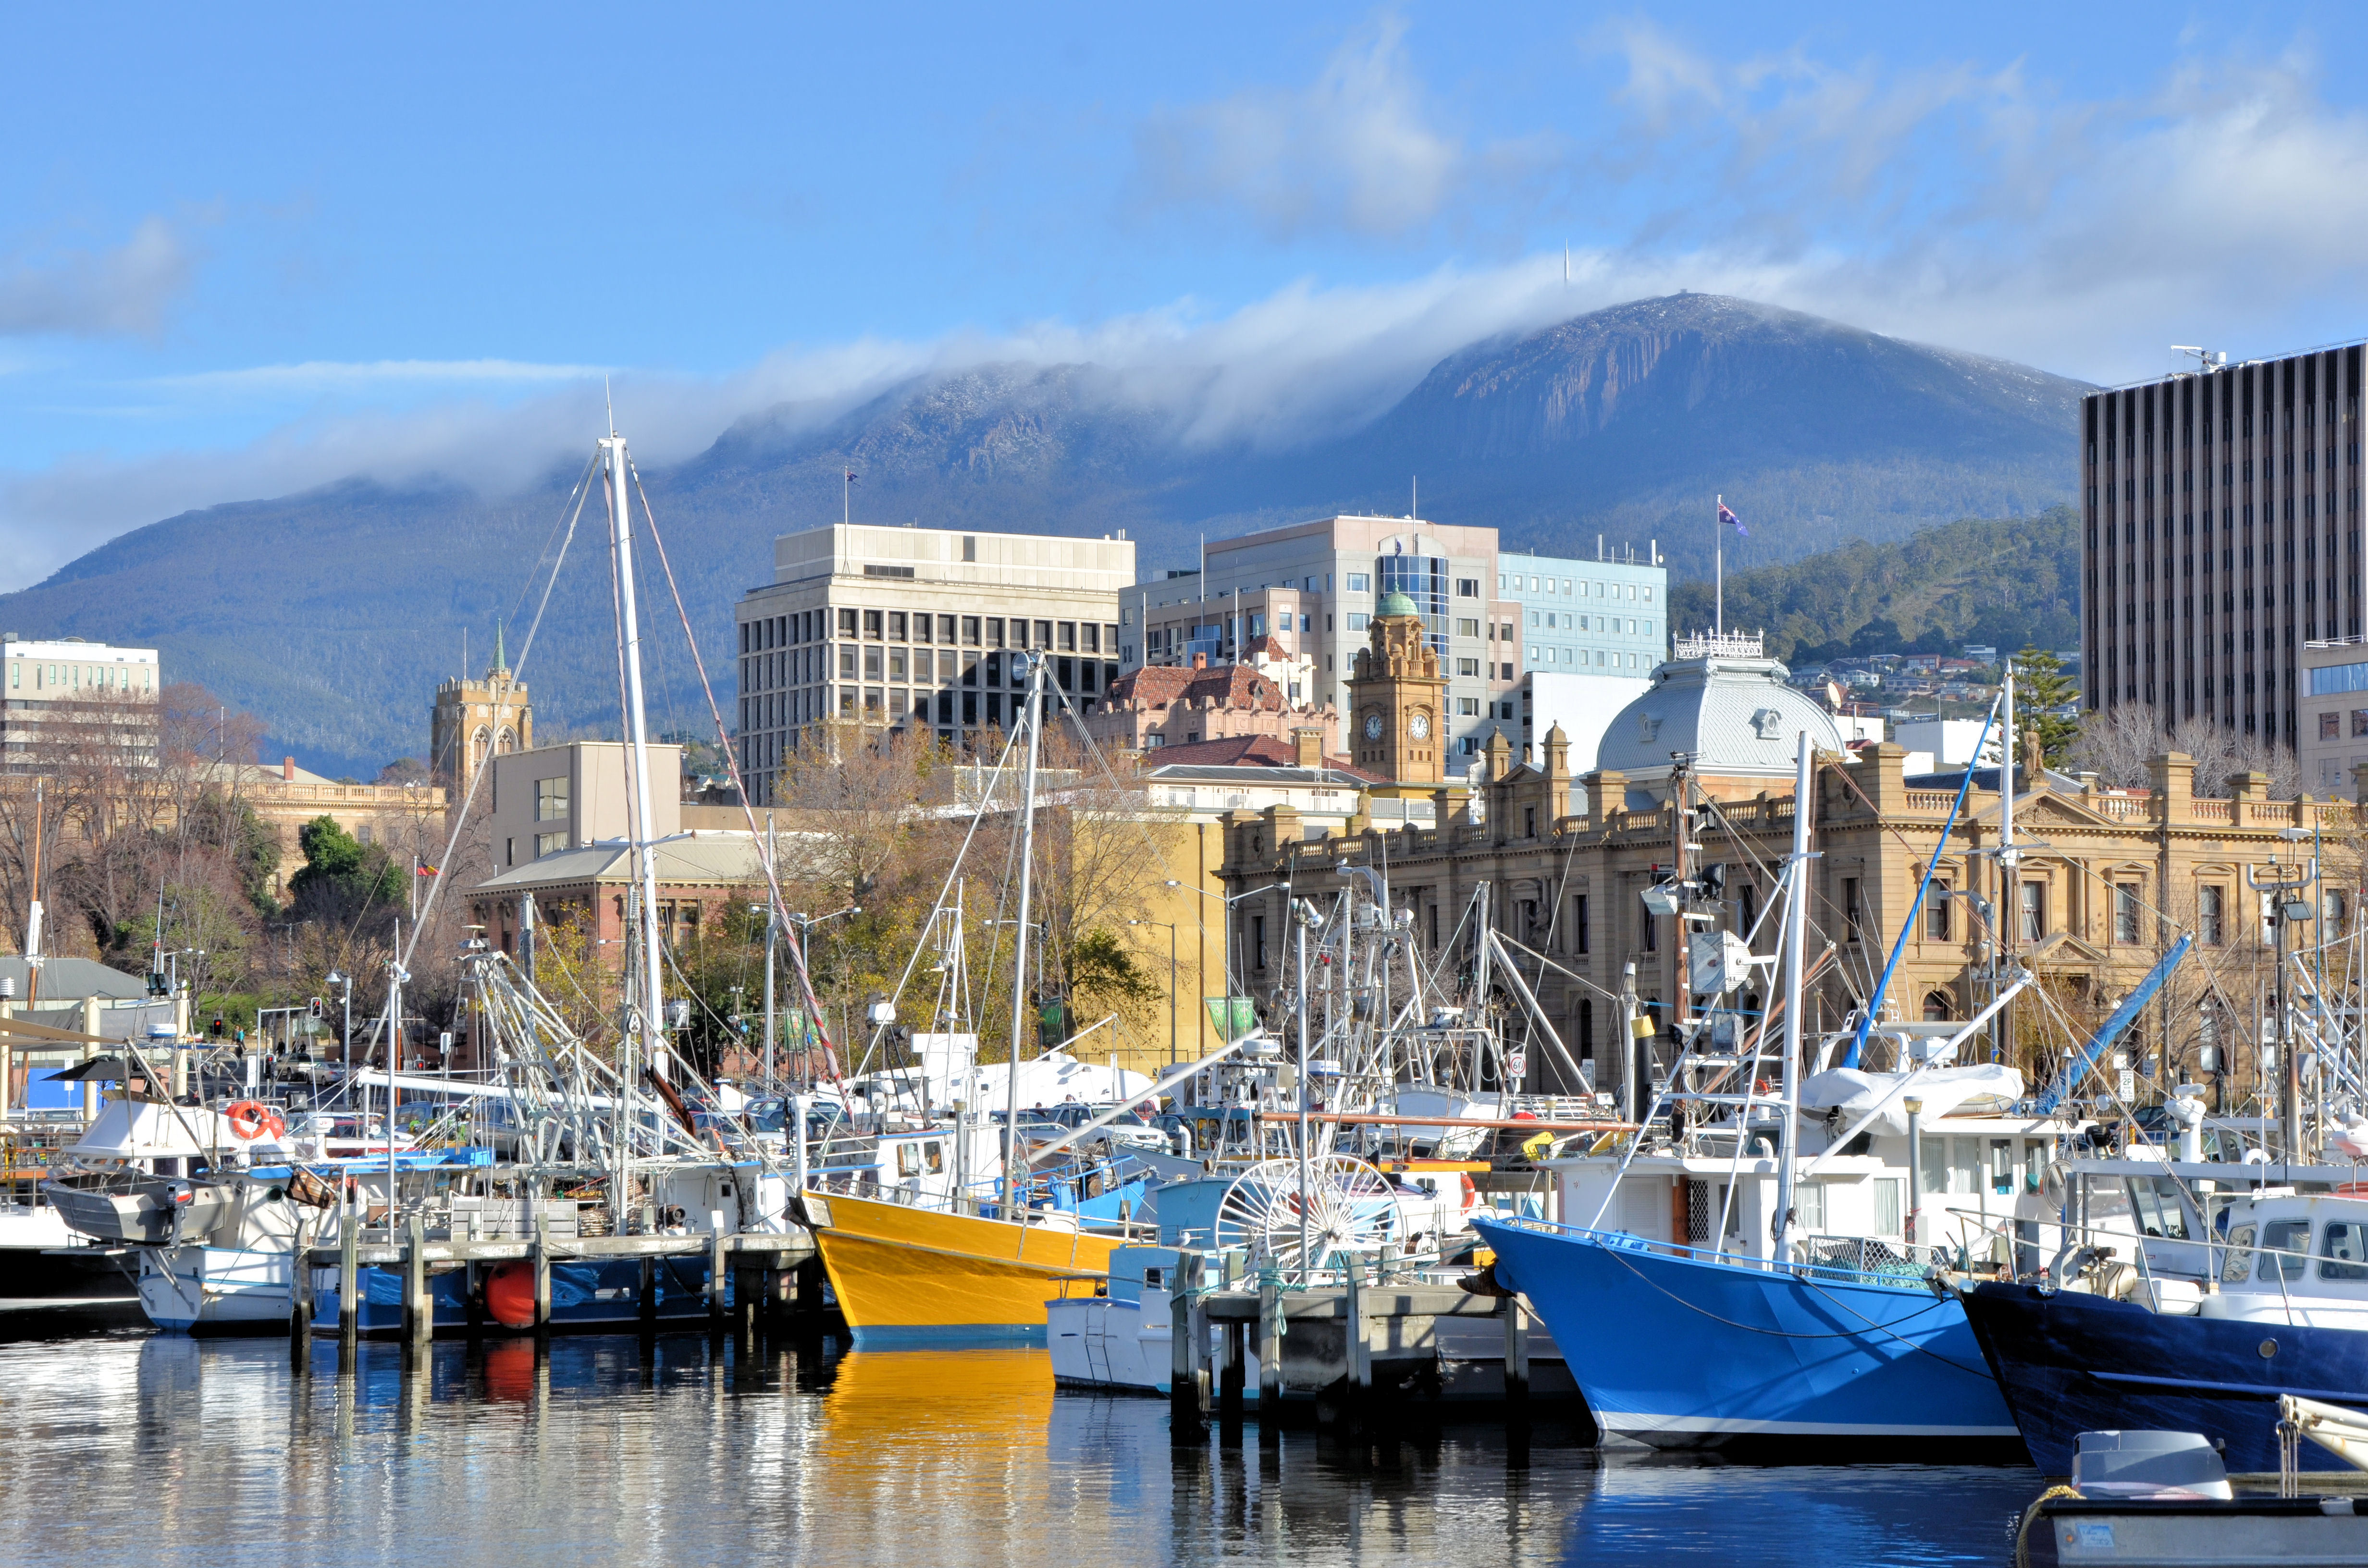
(908, 1159)
(2001, 1166)
(2343, 1251)
(937, 1157)
(2159, 1211)
(2240, 1255)
(2279, 1240)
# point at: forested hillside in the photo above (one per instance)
(2005, 582)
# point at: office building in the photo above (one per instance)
(1607, 616)
(106, 694)
(917, 627)
(1313, 588)
(2220, 526)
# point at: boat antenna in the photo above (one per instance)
(609, 398)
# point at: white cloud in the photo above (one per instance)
(1355, 150)
(338, 376)
(83, 293)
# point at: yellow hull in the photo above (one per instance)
(917, 1274)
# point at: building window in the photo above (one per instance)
(1850, 909)
(897, 626)
(2126, 912)
(1578, 922)
(2359, 722)
(1361, 583)
(1258, 941)
(1468, 706)
(1467, 587)
(2330, 726)
(2033, 912)
(549, 844)
(970, 631)
(921, 624)
(550, 799)
(1357, 622)
(2211, 915)
(1467, 667)
(1936, 913)
(1937, 1008)
(871, 624)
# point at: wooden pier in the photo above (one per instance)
(1343, 1353)
(781, 1271)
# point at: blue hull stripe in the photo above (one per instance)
(1668, 1348)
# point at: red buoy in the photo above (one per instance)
(509, 1293)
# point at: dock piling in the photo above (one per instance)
(349, 1323)
(1232, 1374)
(717, 1263)
(1269, 1356)
(1183, 1365)
(418, 1309)
(1517, 1353)
(541, 1256)
(1360, 1350)
(649, 1297)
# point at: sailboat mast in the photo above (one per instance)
(645, 1043)
(1034, 720)
(1796, 922)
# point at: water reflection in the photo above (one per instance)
(150, 1450)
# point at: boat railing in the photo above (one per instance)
(1839, 1260)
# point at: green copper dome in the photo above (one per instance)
(1395, 603)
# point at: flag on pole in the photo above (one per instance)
(426, 869)
(852, 476)
(1725, 516)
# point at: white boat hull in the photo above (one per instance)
(204, 1290)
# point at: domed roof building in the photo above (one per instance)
(1732, 718)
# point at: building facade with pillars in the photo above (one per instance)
(2106, 880)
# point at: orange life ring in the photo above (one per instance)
(247, 1120)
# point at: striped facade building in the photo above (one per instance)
(2221, 528)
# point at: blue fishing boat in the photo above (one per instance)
(1716, 1350)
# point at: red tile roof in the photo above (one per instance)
(1229, 685)
(1243, 751)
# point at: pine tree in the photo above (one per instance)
(2041, 690)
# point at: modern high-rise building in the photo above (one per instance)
(918, 627)
(2220, 519)
(1313, 587)
(80, 694)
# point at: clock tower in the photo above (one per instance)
(1398, 698)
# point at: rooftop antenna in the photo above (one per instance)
(2206, 358)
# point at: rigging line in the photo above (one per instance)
(507, 685)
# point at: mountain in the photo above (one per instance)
(334, 613)
(2004, 584)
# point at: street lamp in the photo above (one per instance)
(344, 1040)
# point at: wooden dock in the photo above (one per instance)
(781, 1271)
(1344, 1353)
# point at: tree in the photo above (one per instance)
(2042, 690)
(342, 877)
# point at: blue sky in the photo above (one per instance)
(246, 251)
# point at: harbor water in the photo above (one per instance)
(135, 1449)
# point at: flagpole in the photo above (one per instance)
(1718, 568)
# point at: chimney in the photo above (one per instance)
(287, 770)
(1199, 661)
(1307, 748)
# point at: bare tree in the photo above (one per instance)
(2120, 745)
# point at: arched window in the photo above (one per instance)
(1939, 1008)
(478, 743)
(507, 744)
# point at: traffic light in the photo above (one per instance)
(215, 1028)
(312, 1008)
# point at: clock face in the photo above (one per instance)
(1372, 726)
(1419, 726)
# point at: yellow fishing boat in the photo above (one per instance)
(905, 1275)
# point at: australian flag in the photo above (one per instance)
(1726, 516)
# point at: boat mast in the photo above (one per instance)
(644, 1043)
(1033, 718)
(1796, 920)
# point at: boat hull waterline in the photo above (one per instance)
(918, 1276)
(2071, 1362)
(1678, 1352)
